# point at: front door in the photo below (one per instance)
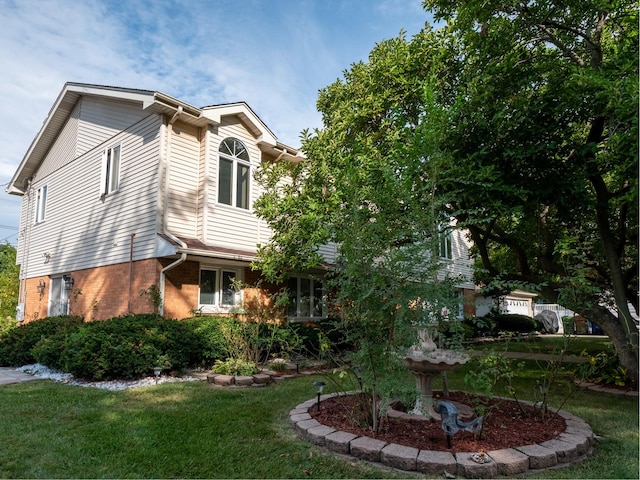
(58, 297)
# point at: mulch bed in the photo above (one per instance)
(505, 427)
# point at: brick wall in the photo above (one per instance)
(99, 293)
(181, 289)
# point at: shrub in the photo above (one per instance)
(604, 368)
(455, 332)
(481, 326)
(16, 345)
(234, 366)
(127, 347)
(515, 323)
(211, 339)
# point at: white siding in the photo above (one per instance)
(63, 149)
(101, 119)
(81, 230)
(184, 180)
(460, 264)
(228, 226)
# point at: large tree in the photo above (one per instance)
(542, 109)
(517, 118)
(361, 190)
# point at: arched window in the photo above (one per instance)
(233, 173)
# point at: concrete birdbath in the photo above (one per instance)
(426, 361)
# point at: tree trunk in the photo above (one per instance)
(623, 335)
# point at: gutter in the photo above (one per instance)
(165, 208)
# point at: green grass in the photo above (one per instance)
(549, 344)
(189, 430)
(194, 430)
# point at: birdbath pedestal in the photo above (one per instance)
(426, 361)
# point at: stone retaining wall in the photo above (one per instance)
(571, 446)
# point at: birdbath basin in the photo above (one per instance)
(426, 362)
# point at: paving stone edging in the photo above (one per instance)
(571, 446)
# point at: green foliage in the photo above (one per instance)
(604, 368)
(511, 322)
(127, 347)
(541, 136)
(367, 187)
(153, 295)
(213, 344)
(7, 324)
(9, 281)
(234, 366)
(16, 345)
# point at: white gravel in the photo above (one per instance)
(41, 371)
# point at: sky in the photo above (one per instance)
(273, 54)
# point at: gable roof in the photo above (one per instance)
(151, 101)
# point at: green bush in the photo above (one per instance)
(16, 344)
(455, 332)
(212, 342)
(481, 326)
(127, 347)
(604, 368)
(234, 366)
(515, 323)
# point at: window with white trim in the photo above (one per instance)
(217, 288)
(110, 176)
(306, 298)
(234, 174)
(41, 204)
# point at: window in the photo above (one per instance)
(217, 289)
(306, 298)
(233, 174)
(110, 180)
(41, 204)
(445, 248)
(58, 297)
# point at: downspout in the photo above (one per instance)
(24, 265)
(130, 270)
(165, 208)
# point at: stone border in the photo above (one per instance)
(594, 387)
(571, 446)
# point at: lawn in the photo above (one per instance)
(195, 430)
(574, 344)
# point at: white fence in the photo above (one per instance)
(554, 307)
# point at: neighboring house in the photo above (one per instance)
(127, 190)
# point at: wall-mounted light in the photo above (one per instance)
(41, 286)
(68, 282)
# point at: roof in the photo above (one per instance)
(152, 101)
(198, 248)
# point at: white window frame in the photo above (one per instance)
(58, 297)
(235, 152)
(41, 204)
(218, 304)
(445, 244)
(309, 307)
(110, 173)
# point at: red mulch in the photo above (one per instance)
(505, 427)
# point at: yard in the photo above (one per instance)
(194, 430)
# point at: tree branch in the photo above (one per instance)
(567, 51)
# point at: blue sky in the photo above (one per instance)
(273, 54)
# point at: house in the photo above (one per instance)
(127, 191)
